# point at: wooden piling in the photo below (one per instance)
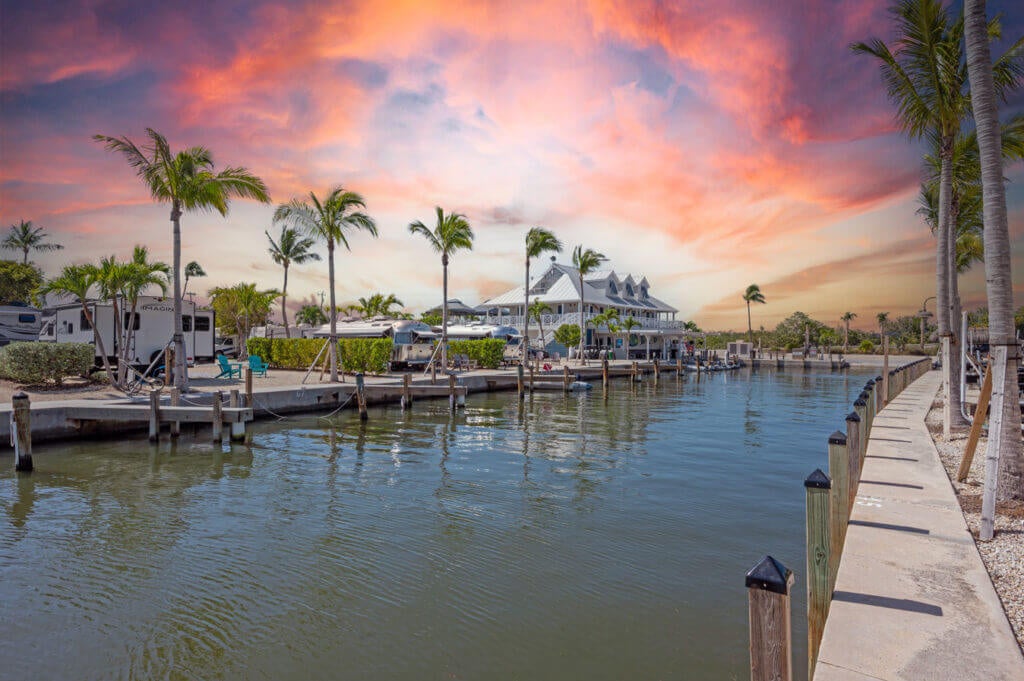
(520, 388)
(853, 456)
(979, 420)
(839, 506)
(233, 398)
(175, 402)
(248, 389)
(679, 366)
(407, 390)
(218, 419)
(634, 373)
(819, 549)
(22, 425)
(768, 585)
(885, 371)
(657, 371)
(433, 373)
(361, 396)
(451, 391)
(860, 406)
(566, 378)
(154, 416)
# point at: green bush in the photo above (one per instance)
(39, 362)
(568, 335)
(487, 352)
(261, 347)
(366, 355)
(866, 346)
(286, 353)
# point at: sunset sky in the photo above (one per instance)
(706, 145)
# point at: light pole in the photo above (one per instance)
(924, 314)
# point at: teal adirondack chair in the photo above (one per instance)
(227, 369)
(256, 366)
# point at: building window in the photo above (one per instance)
(186, 322)
(629, 290)
(128, 320)
(202, 323)
(83, 322)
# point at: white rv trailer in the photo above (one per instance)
(413, 341)
(509, 334)
(153, 328)
(19, 323)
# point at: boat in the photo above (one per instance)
(19, 322)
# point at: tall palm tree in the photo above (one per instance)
(136, 278)
(585, 261)
(187, 181)
(1004, 456)
(883, 320)
(847, 318)
(608, 318)
(627, 327)
(753, 294)
(378, 305)
(75, 281)
(538, 309)
(26, 237)
(311, 315)
(192, 270)
(330, 220)
(291, 247)
(451, 233)
(538, 242)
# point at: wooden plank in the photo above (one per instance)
(979, 422)
(997, 366)
(768, 585)
(141, 413)
(839, 510)
(819, 575)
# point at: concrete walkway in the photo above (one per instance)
(913, 599)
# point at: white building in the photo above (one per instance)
(657, 335)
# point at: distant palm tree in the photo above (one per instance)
(75, 281)
(245, 305)
(330, 220)
(847, 318)
(608, 318)
(192, 270)
(585, 261)
(378, 305)
(451, 233)
(691, 326)
(1004, 445)
(883, 320)
(311, 315)
(538, 242)
(26, 237)
(290, 247)
(627, 326)
(136, 278)
(538, 309)
(752, 295)
(187, 181)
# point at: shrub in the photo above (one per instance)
(39, 362)
(286, 353)
(568, 335)
(487, 352)
(866, 346)
(367, 355)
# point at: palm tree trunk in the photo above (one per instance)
(846, 338)
(334, 312)
(583, 327)
(942, 306)
(284, 303)
(180, 363)
(444, 312)
(526, 315)
(99, 342)
(24, 260)
(750, 327)
(1004, 442)
(540, 326)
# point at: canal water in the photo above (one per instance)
(571, 538)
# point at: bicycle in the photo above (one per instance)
(137, 380)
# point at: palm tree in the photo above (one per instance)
(290, 247)
(451, 233)
(1004, 456)
(538, 242)
(76, 281)
(135, 278)
(585, 261)
(187, 181)
(847, 318)
(538, 309)
(752, 295)
(311, 315)
(193, 269)
(378, 305)
(26, 237)
(330, 220)
(627, 326)
(607, 318)
(883, 319)
(244, 304)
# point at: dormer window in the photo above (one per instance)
(643, 292)
(612, 288)
(629, 290)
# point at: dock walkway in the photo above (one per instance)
(913, 599)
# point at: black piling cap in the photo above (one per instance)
(769, 575)
(853, 417)
(837, 438)
(892, 373)
(818, 480)
(878, 379)
(871, 382)
(863, 395)
(20, 395)
(860, 402)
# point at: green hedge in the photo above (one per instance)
(286, 353)
(368, 355)
(39, 362)
(487, 352)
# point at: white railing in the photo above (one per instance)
(553, 321)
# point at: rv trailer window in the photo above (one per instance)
(202, 323)
(403, 338)
(83, 322)
(186, 322)
(127, 321)
(26, 319)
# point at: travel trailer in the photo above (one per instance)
(19, 323)
(509, 334)
(413, 341)
(153, 328)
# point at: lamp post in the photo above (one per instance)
(924, 314)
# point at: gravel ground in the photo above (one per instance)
(1004, 555)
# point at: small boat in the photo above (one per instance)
(580, 386)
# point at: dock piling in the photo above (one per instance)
(657, 371)
(768, 584)
(451, 391)
(21, 424)
(154, 416)
(519, 382)
(852, 457)
(819, 574)
(604, 373)
(248, 388)
(237, 427)
(361, 396)
(175, 402)
(407, 391)
(218, 419)
(839, 508)
(566, 378)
